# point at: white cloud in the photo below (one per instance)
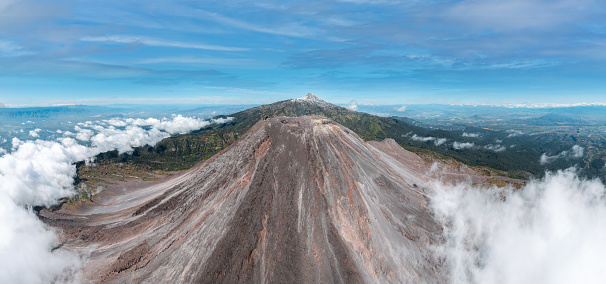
(25, 248)
(440, 141)
(83, 134)
(39, 172)
(401, 109)
(551, 231)
(514, 133)
(124, 39)
(574, 153)
(496, 148)
(33, 134)
(199, 60)
(124, 134)
(462, 145)
(577, 151)
(471, 135)
(287, 29)
(436, 141)
(353, 105)
(11, 49)
(35, 173)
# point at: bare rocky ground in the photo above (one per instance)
(295, 200)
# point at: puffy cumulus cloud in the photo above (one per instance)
(34, 133)
(2, 151)
(514, 133)
(124, 140)
(401, 109)
(436, 141)
(462, 145)
(39, 173)
(178, 124)
(471, 135)
(83, 134)
(124, 134)
(550, 231)
(353, 105)
(36, 173)
(496, 148)
(574, 153)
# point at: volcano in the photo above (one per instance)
(294, 200)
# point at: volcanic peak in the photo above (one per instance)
(294, 200)
(311, 98)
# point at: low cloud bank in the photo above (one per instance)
(436, 141)
(471, 135)
(497, 148)
(514, 133)
(574, 153)
(550, 231)
(462, 145)
(125, 134)
(39, 173)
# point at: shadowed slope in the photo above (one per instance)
(294, 200)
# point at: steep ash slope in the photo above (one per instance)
(300, 200)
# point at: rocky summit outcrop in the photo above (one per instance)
(295, 200)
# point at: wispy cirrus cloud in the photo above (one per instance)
(293, 29)
(198, 60)
(11, 49)
(126, 39)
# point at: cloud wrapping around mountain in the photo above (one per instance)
(574, 153)
(551, 231)
(39, 173)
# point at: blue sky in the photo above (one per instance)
(241, 52)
